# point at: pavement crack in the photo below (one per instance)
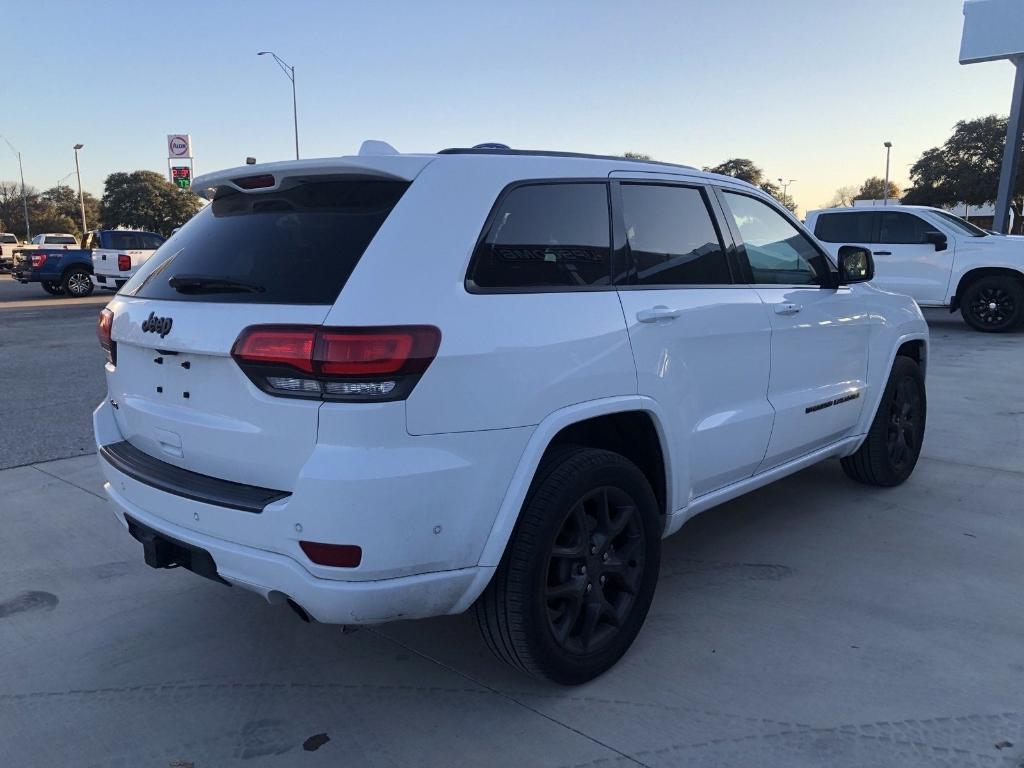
(64, 480)
(508, 697)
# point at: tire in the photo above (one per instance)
(578, 575)
(77, 283)
(889, 453)
(52, 287)
(993, 304)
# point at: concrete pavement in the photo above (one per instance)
(812, 623)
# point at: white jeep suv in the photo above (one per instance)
(395, 386)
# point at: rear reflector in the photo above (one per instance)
(361, 364)
(334, 555)
(124, 262)
(255, 182)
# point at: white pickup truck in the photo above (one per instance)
(118, 253)
(936, 258)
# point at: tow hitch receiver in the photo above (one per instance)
(162, 551)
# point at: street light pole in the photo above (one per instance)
(24, 197)
(885, 192)
(289, 72)
(81, 197)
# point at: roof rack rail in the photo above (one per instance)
(484, 150)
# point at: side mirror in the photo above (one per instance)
(856, 265)
(937, 239)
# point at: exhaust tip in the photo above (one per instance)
(300, 611)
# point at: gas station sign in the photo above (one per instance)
(181, 176)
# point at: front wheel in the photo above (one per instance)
(77, 283)
(578, 575)
(993, 304)
(890, 451)
(52, 287)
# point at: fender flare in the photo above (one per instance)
(543, 434)
(868, 415)
(512, 504)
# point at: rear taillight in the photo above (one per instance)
(356, 364)
(124, 262)
(103, 327)
(38, 259)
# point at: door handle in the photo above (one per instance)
(660, 312)
(883, 253)
(787, 309)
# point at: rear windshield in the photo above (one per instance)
(298, 246)
(60, 239)
(8, 239)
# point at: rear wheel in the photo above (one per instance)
(993, 304)
(52, 287)
(578, 575)
(76, 283)
(889, 453)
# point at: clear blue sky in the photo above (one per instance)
(808, 89)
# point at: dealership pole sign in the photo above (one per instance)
(179, 159)
(994, 30)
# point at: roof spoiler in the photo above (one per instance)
(269, 177)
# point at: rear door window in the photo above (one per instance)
(671, 236)
(547, 236)
(296, 246)
(903, 229)
(123, 241)
(845, 227)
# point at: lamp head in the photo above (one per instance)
(79, 146)
(887, 144)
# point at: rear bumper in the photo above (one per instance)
(278, 578)
(421, 510)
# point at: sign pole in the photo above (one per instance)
(1011, 152)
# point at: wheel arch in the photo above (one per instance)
(913, 344)
(978, 272)
(597, 423)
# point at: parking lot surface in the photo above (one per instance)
(814, 622)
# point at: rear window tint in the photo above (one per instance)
(844, 227)
(298, 246)
(124, 241)
(8, 239)
(671, 236)
(60, 240)
(552, 236)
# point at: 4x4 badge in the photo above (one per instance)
(154, 324)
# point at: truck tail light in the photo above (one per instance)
(124, 262)
(360, 364)
(38, 259)
(104, 324)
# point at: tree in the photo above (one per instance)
(965, 169)
(745, 170)
(146, 200)
(843, 198)
(875, 189)
(636, 156)
(65, 203)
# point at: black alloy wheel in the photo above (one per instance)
(903, 440)
(595, 568)
(993, 304)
